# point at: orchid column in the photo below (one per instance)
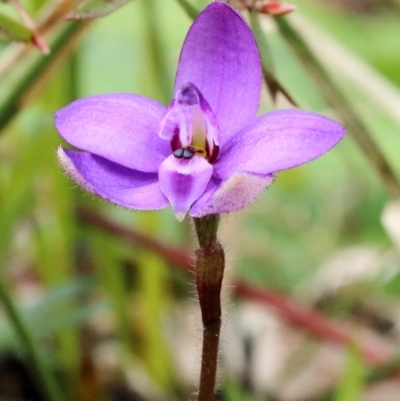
(206, 153)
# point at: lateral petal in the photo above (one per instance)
(183, 182)
(234, 193)
(122, 128)
(220, 56)
(277, 141)
(113, 182)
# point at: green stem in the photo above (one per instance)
(48, 385)
(210, 263)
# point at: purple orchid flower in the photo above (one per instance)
(207, 152)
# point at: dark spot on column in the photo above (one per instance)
(188, 153)
(178, 153)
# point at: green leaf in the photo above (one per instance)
(16, 195)
(90, 9)
(233, 391)
(151, 303)
(44, 319)
(351, 385)
(13, 30)
(10, 101)
(337, 100)
(190, 10)
(273, 85)
(112, 279)
(155, 44)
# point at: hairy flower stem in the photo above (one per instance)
(210, 263)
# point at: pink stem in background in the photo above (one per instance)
(290, 309)
(307, 318)
(172, 254)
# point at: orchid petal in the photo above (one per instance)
(220, 56)
(235, 193)
(120, 127)
(183, 182)
(111, 181)
(277, 141)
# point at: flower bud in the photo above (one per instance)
(275, 8)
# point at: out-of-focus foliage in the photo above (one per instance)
(112, 318)
(13, 30)
(95, 8)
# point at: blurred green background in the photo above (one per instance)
(110, 318)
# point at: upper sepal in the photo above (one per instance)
(220, 56)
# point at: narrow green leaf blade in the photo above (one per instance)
(273, 84)
(13, 30)
(337, 100)
(190, 10)
(10, 102)
(91, 9)
(351, 385)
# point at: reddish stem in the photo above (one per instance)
(310, 320)
(293, 311)
(210, 264)
(172, 254)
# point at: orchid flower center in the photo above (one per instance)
(190, 125)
